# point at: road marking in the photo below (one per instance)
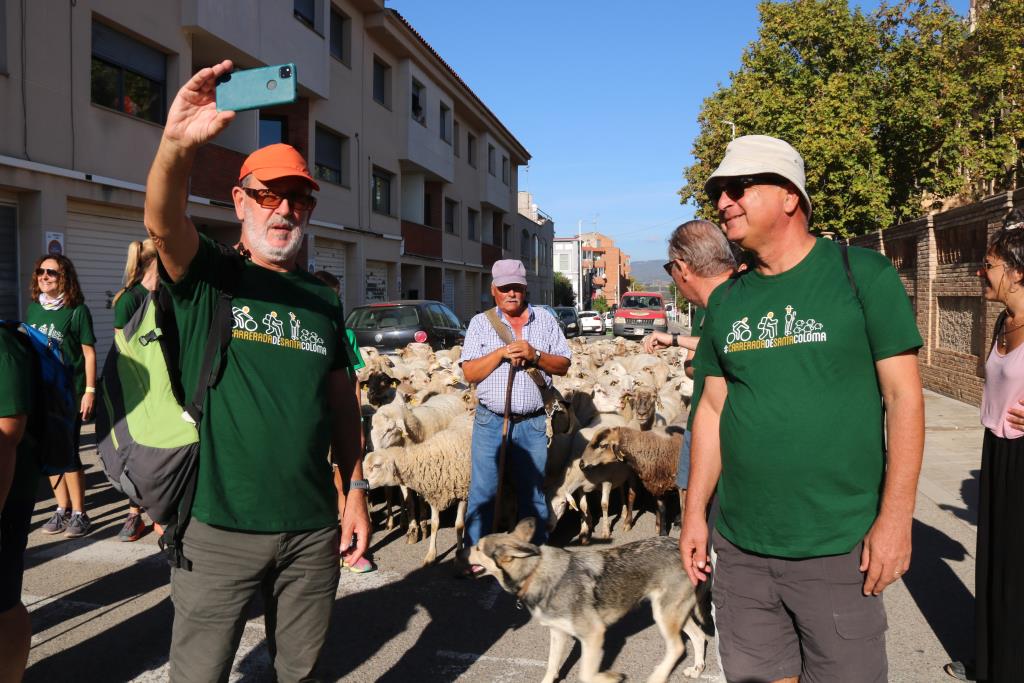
(92, 551)
(470, 657)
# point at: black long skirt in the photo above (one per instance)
(999, 591)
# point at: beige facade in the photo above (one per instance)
(418, 177)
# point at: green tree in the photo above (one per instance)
(563, 291)
(600, 305)
(891, 111)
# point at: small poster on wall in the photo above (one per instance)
(53, 243)
(376, 282)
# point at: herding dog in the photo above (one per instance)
(581, 593)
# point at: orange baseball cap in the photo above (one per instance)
(276, 161)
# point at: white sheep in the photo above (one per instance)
(438, 469)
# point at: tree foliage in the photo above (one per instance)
(563, 295)
(600, 305)
(893, 112)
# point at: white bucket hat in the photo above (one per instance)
(757, 154)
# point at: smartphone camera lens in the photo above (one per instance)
(286, 72)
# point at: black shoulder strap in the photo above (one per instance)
(845, 250)
(1000, 319)
(214, 355)
(220, 335)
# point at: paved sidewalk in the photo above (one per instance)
(952, 457)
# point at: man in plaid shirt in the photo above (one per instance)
(486, 361)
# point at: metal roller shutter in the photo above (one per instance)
(97, 243)
(330, 256)
(9, 285)
(448, 290)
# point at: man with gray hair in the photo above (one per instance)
(519, 343)
(816, 503)
(700, 259)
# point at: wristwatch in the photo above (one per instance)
(358, 484)
(675, 339)
(536, 358)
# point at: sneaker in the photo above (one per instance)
(132, 530)
(78, 526)
(58, 523)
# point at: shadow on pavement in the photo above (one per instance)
(120, 652)
(970, 492)
(945, 602)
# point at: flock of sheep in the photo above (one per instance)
(620, 425)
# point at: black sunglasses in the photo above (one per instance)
(269, 199)
(736, 186)
(47, 271)
(669, 267)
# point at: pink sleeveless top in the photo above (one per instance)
(1004, 388)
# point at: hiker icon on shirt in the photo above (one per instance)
(769, 326)
(243, 320)
(295, 325)
(274, 325)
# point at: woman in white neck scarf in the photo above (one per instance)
(58, 309)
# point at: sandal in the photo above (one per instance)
(362, 566)
(960, 671)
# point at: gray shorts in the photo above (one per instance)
(297, 575)
(769, 610)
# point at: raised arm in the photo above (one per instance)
(192, 121)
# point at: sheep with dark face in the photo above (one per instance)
(653, 455)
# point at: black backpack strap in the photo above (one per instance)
(845, 251)
(214, 357)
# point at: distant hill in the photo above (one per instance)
(649, 272)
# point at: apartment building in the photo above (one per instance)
(536, 230)
(594, 266)
(418, 176)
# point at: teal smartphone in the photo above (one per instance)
(256, 88)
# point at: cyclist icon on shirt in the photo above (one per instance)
(243, 320)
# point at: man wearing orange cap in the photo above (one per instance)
(265, 515)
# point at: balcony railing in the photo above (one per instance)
(421, 240)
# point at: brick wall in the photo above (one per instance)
(938, 258)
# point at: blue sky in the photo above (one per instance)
(606, 102)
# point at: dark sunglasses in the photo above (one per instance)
(47, 271)
(669, 267)
(271, 200)
(736, 186)
(505, 289)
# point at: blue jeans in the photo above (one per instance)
(525, 458)
(683, 470)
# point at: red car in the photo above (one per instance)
(639, 314)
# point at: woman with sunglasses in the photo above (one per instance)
(140, 278)
(58, 309)
(999, 572)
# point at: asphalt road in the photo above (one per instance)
(101, 609)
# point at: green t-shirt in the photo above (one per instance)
(72, 328)
(265, 433)
(801, 428)
(126, 304)
(355, 356)
(16, 395)
(698, 376)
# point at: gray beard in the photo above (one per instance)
(256, 241)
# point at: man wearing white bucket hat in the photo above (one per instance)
(809, 356)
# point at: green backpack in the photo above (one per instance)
(147, 433)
